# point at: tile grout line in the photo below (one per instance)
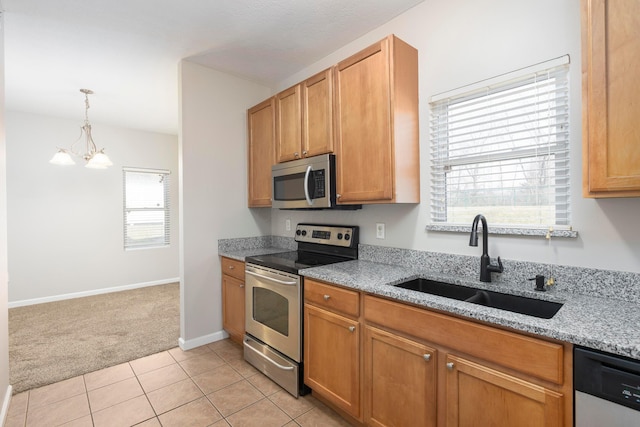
(86, 390)
(145, 394)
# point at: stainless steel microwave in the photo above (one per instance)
(308, 183)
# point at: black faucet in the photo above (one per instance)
(485, 261)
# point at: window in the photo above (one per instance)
(146, 208)
(502, 150)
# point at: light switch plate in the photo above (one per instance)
(380, 230)
(287, 224)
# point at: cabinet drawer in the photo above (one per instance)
(233, 268)
(532, 356)
(332, 297)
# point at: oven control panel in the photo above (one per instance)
(336, 235)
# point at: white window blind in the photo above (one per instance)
(146, 208)
(503, 150)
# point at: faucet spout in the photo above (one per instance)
(486, 268)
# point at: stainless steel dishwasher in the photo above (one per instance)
(607, 389)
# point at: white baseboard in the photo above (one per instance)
(5, 405)
(53, 298)
(205, 339)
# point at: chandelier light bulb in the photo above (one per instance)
(62, 158)
(96, 159)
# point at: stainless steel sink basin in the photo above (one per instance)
(514, 303)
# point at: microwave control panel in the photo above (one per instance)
(318, 189)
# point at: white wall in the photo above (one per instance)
(213, 192)
(461, 42)
(66, 223)
(5, 388)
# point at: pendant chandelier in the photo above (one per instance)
(94, 158)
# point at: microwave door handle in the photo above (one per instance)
(306, 186)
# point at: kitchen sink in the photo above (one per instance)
(514, 303)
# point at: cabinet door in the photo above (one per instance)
(289, 124)
(332, 358)
(317, 101)
(364, 147)
(400, 381)
(261, 134)
(610, 92)
(479, 396)
(233, 307)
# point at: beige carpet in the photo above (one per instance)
(58, 340)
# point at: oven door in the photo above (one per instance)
(273, 309)
(304, 183)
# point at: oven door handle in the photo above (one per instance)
(282, 282)
(264, 356)
(306, 186)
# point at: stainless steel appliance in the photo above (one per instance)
(308, 183)
(607, 389)
(274, 295)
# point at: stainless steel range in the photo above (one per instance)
(274, 300)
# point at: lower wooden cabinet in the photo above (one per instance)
(481, 396)
(233, 298)
(400, 381)
(332, 358)
(420, 367)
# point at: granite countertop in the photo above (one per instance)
(600, 323)
(241, 254)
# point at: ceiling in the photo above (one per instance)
(128, 52)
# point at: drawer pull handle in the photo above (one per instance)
(326, 297)
(242, 286)
(232, 267)
(427, 357)
(352, 328)
(450, 366)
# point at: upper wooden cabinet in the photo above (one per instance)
(610, 94)
(377, 141)
(318, 133)
(289, 124)
(304, 118)
(261, 151)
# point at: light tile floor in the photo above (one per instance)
(208, 386)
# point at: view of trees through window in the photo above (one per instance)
(503, 152)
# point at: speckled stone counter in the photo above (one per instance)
(241, 248)
(601, 308)
(600, 323)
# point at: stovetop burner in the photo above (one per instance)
(293, 261)
(317, 245)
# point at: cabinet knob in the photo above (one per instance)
(450, 366)
(338, 195)
(426, 357)
(232, 267)
(242, 285)
(304, 153)
(296, 155)
(326, 297)
(352, 328)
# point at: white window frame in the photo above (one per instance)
(161, 239)
(551, 139)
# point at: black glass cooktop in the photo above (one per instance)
(293, 261)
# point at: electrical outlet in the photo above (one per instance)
(380, 230)
(287, 224)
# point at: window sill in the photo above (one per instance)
(449, 228)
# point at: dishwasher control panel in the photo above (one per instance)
(610, 377)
